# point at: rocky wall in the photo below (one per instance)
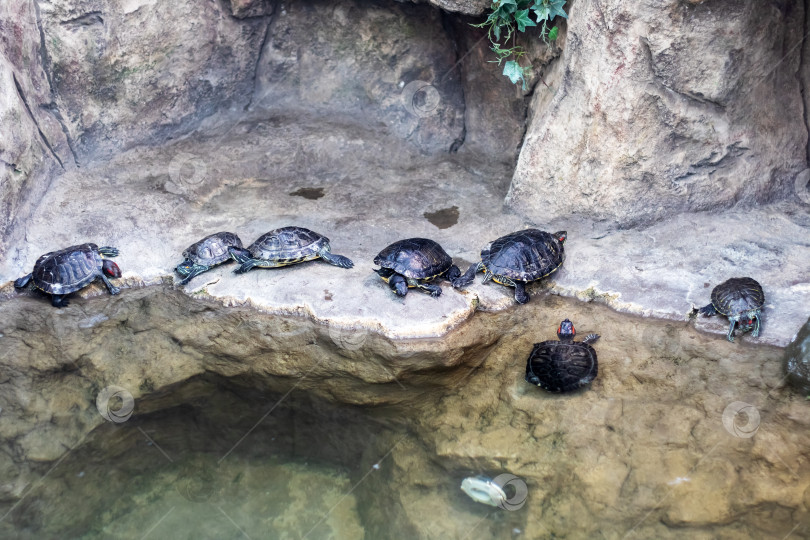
(666, 107)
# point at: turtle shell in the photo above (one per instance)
(562, 366)
(213, 249)
(67, 270)
(290, 244)
(417, 258)
(524, 255)
(737, 295)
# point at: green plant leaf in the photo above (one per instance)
(522, 19)
(515, 73)
(541, 12)
(552, 35)
(556, 10)
(506, 7)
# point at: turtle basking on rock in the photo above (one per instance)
(518, 258)
(739, 299)
(286, 246)
(564, 365)
(66, 271)
(414, 263)
(205, 254)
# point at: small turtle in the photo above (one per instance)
(739, 299)
(564, 365)
(62, 272)
(518, 258)
(285, 246)
(413, 263)
(205, 254)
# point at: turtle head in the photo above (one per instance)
(747, 320)
(566, 331)
(384, 273)
(561, 236)
(184, 268)
(110, 268)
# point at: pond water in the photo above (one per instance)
(682, 434)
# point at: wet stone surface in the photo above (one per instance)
(681, 432)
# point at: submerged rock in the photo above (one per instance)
(797, 360)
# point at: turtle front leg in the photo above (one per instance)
(730, 335)
(590, 338)
(110, 287)
(521, 296)
(59, 300)
(434, 290)
(755, 333)
(195, 271)
(242, 256)
(468, 276)
(452, 274)
(337, 260)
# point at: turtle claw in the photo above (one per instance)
(436, 293)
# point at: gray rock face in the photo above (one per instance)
(467, 7)
(666, 107)
(390, 65)
(797, 360)
(32, 144)
(140, 71)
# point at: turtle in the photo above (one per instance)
(739, 299)
(413, 263)
(62, 272)
(518, 258)
(286, 246)
(564, 365)
(205, 254)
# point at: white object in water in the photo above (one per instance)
(483, 490)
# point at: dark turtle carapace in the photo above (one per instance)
(739, 299)
(564, 365)
(286, 246)
(205, 254)
(62, 272)
(414, 263)
(518, 258)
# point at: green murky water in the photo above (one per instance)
(682, 435)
